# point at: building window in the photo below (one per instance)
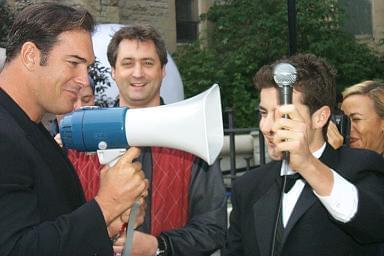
(358, 16)
(187, 20)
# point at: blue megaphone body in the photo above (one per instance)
(92, 129)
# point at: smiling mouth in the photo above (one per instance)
(138, 84)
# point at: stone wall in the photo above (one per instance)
(159, 13)
(378, 23)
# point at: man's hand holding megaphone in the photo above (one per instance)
(120, 187)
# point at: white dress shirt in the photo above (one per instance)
(341, 203)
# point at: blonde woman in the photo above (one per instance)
(363, 103)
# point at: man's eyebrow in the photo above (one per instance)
(127, 58)
(78, 57)
(141, 59)
(261, 107)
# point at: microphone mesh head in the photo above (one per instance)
(284, 74)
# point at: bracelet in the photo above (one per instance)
(118, 235)
(162, 248)
(115, 238)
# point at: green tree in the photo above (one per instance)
(101, 80)
(250, 33)
(6, 19)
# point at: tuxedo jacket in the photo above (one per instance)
(311, 230)
(42, 206)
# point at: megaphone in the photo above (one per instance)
(194, 125)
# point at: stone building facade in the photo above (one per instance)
(378, 22)
(159, 13)
(366, 17)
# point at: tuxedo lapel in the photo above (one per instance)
(265, 207)
(305, 201)
(307, 198)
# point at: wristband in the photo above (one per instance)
(161, 247)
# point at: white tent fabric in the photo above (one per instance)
(2, 58)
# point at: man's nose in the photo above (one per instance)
(82, 78)
(137, 70)
(266, 130)
(266, 124)
(83, 81)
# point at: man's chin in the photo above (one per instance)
(274, 154)
(64, 109)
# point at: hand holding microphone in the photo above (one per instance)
(292, 129)
(284, 75)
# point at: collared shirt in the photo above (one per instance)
(341, 203)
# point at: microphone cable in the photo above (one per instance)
(279, 213)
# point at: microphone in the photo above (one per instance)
(284, 75)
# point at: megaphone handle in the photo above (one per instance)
(110, 156)
(130, 229)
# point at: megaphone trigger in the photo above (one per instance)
(110, 156)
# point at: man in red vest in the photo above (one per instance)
(186, 208)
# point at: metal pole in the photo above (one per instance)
(232, 148)
(292, 48)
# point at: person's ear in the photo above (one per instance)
(30, 55)
(113, 73)
(320, 117)
(163, 72)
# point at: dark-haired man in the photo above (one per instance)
(43, 210)
(336, 207)
(186, 213)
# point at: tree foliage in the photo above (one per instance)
(6, 20)
(250, 33)
(99, 75)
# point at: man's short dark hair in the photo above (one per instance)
(42, 23)
(315, 80)
(141, 32)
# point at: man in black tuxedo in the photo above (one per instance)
(42, 206)
(336, 208)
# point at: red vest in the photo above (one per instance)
(171, 175)
(88, 168)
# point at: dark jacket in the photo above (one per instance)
(311, 230)
(205, 231)
(43, 210)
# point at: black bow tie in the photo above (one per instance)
(290, 181)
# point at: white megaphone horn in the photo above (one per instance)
(194, 125)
